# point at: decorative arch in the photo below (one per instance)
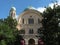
(31, 41)
(29, 11)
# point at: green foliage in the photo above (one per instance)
(3, 42)
(50, 25)
(11, 22)
(8, 31)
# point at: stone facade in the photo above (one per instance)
(29, 21)
(35, 24)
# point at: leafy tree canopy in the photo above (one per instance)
(50, 25)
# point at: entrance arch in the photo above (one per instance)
(31, 42)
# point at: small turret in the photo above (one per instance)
(12, 12)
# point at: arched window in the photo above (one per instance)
(31, 31)
(23, 21)
(38, 21)
(31, 21)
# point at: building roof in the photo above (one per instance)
(13, 8)
(29, 10)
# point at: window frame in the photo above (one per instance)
(31, 21)
(31, 31)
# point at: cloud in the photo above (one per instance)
(16, 16)
(40, 9)
(58, 1)
(52, 4)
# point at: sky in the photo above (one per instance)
(20, 5)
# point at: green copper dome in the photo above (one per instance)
(13, 8)
(30, 7)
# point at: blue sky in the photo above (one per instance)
(20, 5)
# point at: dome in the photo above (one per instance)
(13, 8)
(30, 7)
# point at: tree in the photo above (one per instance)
(8, 31)
(12, 23)
(6, 34)
(50, 25)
